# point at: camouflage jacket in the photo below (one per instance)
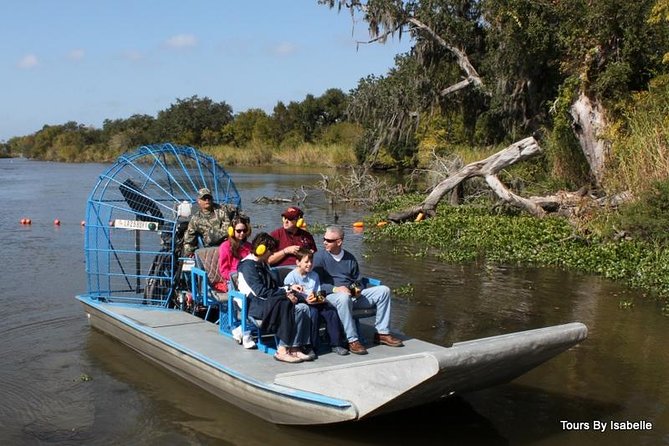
(211, 227)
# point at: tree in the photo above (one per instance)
(247, 126)
(184, 121)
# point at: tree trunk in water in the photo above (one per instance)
(589, 124)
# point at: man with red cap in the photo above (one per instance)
(291, 237)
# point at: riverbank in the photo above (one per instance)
(473, 233)
(252, 154)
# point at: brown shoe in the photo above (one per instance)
(357, 348)
(387, 339)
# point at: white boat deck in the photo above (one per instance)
(203, 339)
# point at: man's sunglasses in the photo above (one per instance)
(330, 240)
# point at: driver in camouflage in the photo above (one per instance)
(210, 222)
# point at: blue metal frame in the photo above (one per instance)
(147, 185)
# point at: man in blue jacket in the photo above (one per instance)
(338, 271)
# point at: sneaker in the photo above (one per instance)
(387, 339)
(247, 341)
(357, 348)
(341, 351)
(310, 353)
(237, 334)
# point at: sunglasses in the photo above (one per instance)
(240, 231)
(330, 240)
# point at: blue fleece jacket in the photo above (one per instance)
(333, 273)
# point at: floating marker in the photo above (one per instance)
(56, 222)
(22, 221)
(83, 223)
(358, 224)
(29, 221)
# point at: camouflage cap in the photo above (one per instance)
(203, 193)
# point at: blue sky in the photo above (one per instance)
(85, 61)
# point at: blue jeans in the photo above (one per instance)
(376, 296)
(302, 327)
(328, 313)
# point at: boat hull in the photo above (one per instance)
(332, 389)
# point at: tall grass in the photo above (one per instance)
(305, 154)
(640, 149)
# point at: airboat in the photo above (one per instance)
(142, 293)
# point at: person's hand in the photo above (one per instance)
(312, 299)
(297, 288)
(291, 250)
(291, 297)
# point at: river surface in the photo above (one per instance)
(62, 383)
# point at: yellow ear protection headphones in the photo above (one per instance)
(300, 222)
(260, 249)
(231, 230)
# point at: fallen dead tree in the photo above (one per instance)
(567, 204)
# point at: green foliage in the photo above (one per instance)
(184, 121)
(640, 149)
(471, 233)
(246, 127)
(564, 154)
(647, 218)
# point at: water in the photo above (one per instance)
(62, 383)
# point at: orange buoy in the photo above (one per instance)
(83, 223)
(111, 222)
(29, 221)
(22, 221)
(56, 222)
(358, 224)
(381, 224)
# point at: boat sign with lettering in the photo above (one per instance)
(136, 224)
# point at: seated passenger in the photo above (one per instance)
(338, 270)
(231, 251)
(291, 237)
(311, 288)
(209, 223)
(277, 306)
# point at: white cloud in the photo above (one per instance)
(28, 61)
(181, 41)
(284, 49)
(76, 54)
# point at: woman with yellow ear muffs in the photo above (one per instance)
(277, 306)
(291, 236)
(232, 250)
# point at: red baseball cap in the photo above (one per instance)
(292, 213)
